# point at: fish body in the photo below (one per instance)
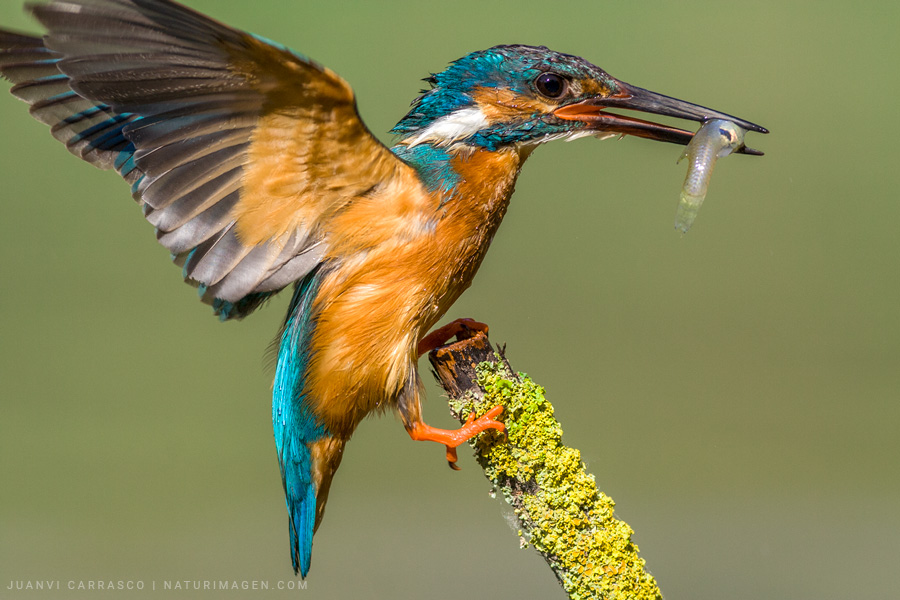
(715, 139)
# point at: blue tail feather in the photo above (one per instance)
(295, 425)
(300, 498)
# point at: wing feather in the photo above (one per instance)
(239, 150)
(199, 229)
(175, 212)
(217, 257)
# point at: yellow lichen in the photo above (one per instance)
(559, 508)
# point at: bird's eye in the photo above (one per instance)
(551, 85)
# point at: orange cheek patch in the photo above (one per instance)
(501, 104)
(592, 87)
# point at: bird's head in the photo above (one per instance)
(526, 95)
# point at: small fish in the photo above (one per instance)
(717, 138)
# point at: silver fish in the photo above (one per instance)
(715, 139)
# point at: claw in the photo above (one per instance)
(461, 328)
(452, 458)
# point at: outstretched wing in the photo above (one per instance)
(238, 150)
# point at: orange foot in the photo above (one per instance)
(451, 439)
(442, 335)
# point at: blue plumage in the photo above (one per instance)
(295, 426)
(512, 68)
(86, 134)
(431, 163)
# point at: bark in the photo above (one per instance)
(560, 511)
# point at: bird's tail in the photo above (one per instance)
(307, 476)
(308, 453)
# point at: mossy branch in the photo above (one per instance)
(560, 511)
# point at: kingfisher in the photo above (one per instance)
(256, 171)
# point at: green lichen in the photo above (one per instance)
(560, 510)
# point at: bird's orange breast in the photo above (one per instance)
(404, 257)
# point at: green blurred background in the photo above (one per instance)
(734, 390)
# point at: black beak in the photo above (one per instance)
(592, 111)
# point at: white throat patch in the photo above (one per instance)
(452, 128)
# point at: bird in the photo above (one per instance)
(254, 167)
